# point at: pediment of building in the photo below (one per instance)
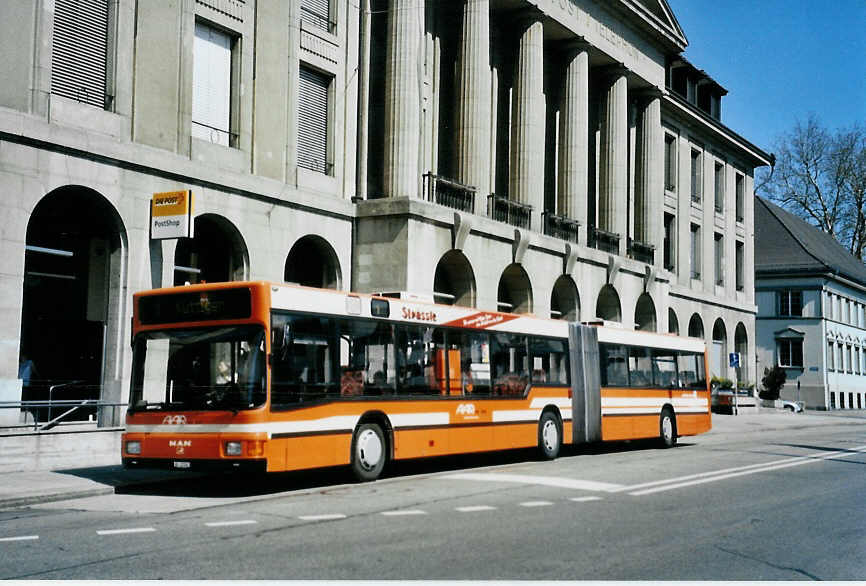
(788, 333)
(659, 13)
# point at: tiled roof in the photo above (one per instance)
(785, 243)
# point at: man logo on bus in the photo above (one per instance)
(465, 409)
(174, 420)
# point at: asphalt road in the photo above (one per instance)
(778, 505)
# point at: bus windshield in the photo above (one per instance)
(219, 368)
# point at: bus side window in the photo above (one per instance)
(549, 361)
(639, 367)
(612, 358)
(510, 363)
(664, 368)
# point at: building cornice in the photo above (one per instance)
(680, 107)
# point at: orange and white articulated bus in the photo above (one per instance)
(270, 377)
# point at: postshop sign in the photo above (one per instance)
(171, 215)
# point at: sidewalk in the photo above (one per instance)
(19, 489)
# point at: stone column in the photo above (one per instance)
(475, 108)
(613, 158)
(648, 202)
(403, 99)
(526, 167)
(574, 138)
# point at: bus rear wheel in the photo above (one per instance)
(549, 436)
(667, 429)
(369, 452)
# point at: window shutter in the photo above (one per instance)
(316, 13)
(211, 81)
(79, 50)
(313, 121)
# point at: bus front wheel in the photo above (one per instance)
(549, 436)
(667, 429)
(369, 452)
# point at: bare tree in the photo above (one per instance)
(821, 176)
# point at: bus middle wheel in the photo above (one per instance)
(369, 452)
(549, 436)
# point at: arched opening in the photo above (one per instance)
(515, 291)
(454, 280)
(719, 354)
(216, 253)
(673, 322)
(565, 300)
(645, 314)
(696, 327)
(312, 262)
(607, 307)
(74, 256)
(741, 345)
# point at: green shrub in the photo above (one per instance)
(722, 383)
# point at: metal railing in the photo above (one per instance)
(449, 193)
(511, 212)
(67, 408)
(560, 227)
(603, 240)
(641, 251)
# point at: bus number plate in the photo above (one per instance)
(181, 464)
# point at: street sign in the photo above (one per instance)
(734, 358)
(171, 215)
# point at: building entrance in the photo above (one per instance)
(72, 237)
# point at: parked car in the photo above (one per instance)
(792, 406)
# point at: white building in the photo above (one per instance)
(811, 296)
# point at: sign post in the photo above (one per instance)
(171, 215)
(734, 361)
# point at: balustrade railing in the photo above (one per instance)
(511, 212)
(449, 193)
(603, 240)
(560, 227)
(641, 251)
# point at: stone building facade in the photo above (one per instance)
(555, 157)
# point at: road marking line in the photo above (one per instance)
(536, 504)
(130, 530)
(695, 479)
(231, 523)
(585, 499)
(20, 538)
(403, 513)
(475, 508)
(325, 517)
(539, 480)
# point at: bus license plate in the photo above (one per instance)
(181, 464)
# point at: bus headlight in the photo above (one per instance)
(233, 448)
(133, 447)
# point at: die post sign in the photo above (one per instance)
(171, 215)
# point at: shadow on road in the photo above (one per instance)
(240, 484)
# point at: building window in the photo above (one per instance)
(740, 252)
(741, 197)
(791, 303)
(696, 175)
(790, 353)
(670, 162)
(670, 253)
(313, 121)
(695, 251)
(212, 85)
(719, 186)
(831, 355)
(317, 13)
(80, 50)
(719, 255)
